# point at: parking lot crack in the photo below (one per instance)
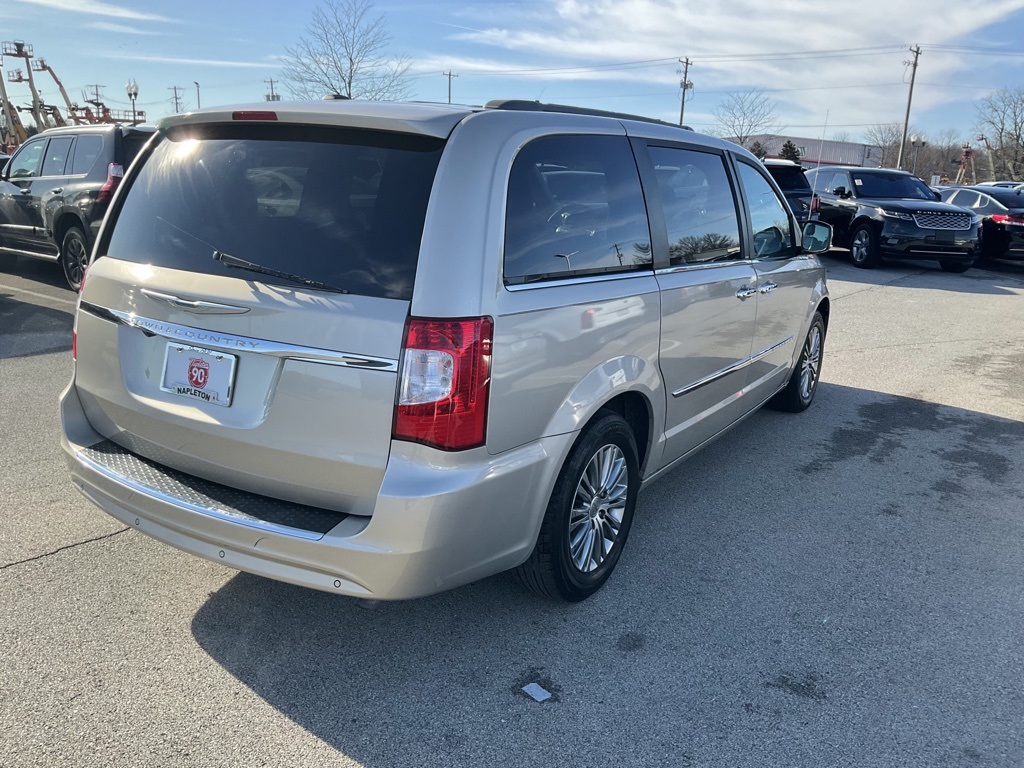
(61, 549)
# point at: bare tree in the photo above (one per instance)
(842, 136)
(743, 115)
(887, 136)
(344, 52)
(1001, 121)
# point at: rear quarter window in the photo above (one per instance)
(575, 207)
(342, 207)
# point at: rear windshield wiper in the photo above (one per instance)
(233, 261)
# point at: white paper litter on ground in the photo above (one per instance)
(536, 692)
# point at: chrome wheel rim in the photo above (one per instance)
(598, 508)
(75, 258)
(810, 363)
(859, 246)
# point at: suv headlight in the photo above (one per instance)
(896, 214)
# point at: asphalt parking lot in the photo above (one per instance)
(843, 587)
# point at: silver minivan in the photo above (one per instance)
(387, 349)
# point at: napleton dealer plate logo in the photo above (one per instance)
(198, 372)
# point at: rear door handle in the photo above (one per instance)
(745, 292)
(768, 287)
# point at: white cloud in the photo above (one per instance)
(595, 32)
(96, 8)
(196, 62)
(124, 29)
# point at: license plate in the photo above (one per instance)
(944, 236)
(199, 374)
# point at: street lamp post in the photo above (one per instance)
(132, 89)
(917, 143)
(198, 105)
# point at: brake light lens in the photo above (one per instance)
(115, 172)
(254, 115)
(444, 383)
(1003, 218)
(815, 204)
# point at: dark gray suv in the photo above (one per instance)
(883, 213)
(55, 190)
(384, 349)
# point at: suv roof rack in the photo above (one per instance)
(538, 106)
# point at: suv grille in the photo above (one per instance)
(943, 220)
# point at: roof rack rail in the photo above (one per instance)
(538, 106)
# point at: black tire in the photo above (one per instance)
(74, 257)
(553, 570)
(957, 267)
(803, 382)
(864, 247)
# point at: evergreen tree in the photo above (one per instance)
(757, 150)
(790, 152)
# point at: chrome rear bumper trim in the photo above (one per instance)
(234, 343)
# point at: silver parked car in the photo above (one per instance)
(387, 349)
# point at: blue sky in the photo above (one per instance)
(846, 63)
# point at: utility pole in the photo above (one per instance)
(177, 97)
(916, 50)
(449, 75)
(272, 96)
(685, 85)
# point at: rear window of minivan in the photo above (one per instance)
(340, 207)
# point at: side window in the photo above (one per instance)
(839, 180)
(966, 199)
(950, 196)
(87, 150)
(700, 210)
(988, 205)
(575, 207)
(57, 156)
(25, 162)
(769, 219)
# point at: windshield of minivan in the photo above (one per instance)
(339, 207)
(891, 185)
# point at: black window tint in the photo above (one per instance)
(700, 210)
(87, 151)
(131, 144)
(57, 156)
(575, 206)
(789, 178)
(967, 199)
(342, 207)
(769, 220)
(25, 162)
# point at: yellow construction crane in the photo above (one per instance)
(16, 133)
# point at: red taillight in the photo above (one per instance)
(254, 115)
(1002, 218)
(115, 172)
(444, 383)
(815, 204)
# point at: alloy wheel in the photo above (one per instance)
(598, 507)
(810, 363)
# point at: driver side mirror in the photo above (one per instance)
(842, 192)
(817, 237)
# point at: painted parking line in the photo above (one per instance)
(5, 287)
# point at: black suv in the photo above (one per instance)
(56, 188)
(795, 187)
(883, 213)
